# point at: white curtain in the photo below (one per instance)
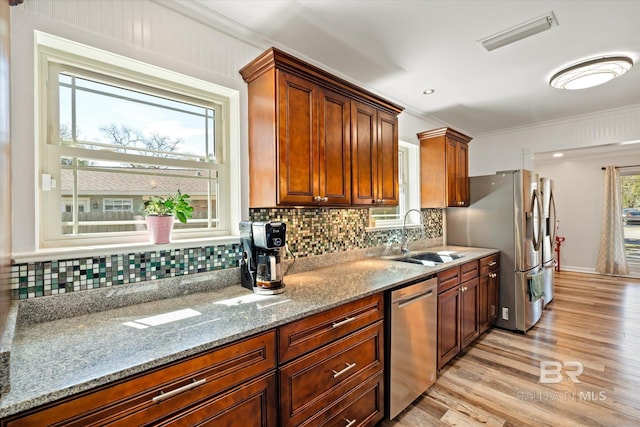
(611, 256)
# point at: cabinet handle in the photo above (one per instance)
(350, 422)
(492, 263)
(325, 199)
(493, 275)
(343, 322)
(317, 198)
(164, 396)
(349, 366)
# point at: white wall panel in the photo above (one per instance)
(139, 29)
(579, 200)
(506, 150)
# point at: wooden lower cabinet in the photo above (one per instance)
(204, 384)
(336, 376)
(360, 407)
(449, 344)
(469, 299)
(310, 382)
(489, 292)
(250, 405)
(458, 320)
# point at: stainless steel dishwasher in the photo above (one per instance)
(412, 368)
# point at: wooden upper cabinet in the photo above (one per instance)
(334, 147)
(374, 158)
(444, 168)
(298, 140)
(301, 129)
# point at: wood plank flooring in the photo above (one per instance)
(594, 320)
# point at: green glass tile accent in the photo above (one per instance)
(310, 231)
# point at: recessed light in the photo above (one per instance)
(590, 73)
(558, 154)
(428, 91)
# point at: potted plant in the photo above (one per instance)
(161, 213)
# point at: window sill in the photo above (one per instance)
(390, 227)
(52, 254)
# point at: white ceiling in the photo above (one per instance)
(398, 48)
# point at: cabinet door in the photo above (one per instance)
(364, 134)
(334, 128)
(451, 147)
(387, 155)
(469, 328)
(297, 152)
(462, 174)
(448, 325)
(493, 291)
(483, 303)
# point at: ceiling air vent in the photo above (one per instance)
(519, 32)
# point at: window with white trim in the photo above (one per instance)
(117, 136)
(393, 216)
(117, 205)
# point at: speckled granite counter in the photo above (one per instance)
(54, 359)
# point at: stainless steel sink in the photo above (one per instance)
(430, 258)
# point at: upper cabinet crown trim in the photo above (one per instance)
(445, 131)
(275, 58)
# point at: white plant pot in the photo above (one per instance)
(159, 228)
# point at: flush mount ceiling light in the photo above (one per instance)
(519, 32)
(591, 73)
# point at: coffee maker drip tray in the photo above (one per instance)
(272, 289)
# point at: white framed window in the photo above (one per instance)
(67, 205)
(630, 192)
(408, 189)
(116, 132)
(117, 205)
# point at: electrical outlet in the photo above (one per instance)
(505, 313)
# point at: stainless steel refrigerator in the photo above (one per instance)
(505, 213)
(549, 223)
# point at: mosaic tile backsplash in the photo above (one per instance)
(310, 231)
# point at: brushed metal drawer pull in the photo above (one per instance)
(164, 396)
(336, 374)
(492, 263)
(350, 422)
(343, 322)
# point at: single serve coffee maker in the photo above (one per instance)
(262, 244)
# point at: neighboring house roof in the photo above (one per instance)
(106, 183)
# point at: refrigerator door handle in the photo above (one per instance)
(537, 228)
(552, 210)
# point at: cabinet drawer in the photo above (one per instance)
(448, 279)
(250, 405)
(489, 263)
(468, 271)
(362, 407)
(314, 331)
(311, 383)
(163, 390)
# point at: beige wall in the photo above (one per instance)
(5, 166)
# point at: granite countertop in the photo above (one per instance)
(54, 359)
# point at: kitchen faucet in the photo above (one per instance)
(404, 246)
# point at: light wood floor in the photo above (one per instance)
(593, 320)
